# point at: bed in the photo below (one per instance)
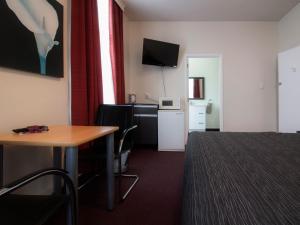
(242, 179)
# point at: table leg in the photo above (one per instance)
(71, 165)
(57, 151)
(1, 166)
(110, 171)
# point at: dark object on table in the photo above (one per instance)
(35, 209)
(241, 178)
(31, 129)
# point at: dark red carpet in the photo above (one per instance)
(155, 200)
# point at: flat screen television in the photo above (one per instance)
(160, 53)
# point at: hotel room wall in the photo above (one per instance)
(289, 32)
(30, 99)
(248, 50)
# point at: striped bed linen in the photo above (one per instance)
(242, 179)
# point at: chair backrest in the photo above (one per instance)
(115, 115)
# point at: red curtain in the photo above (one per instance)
(85, 62)
(117, 50)
(196, 88)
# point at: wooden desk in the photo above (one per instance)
(69, 137)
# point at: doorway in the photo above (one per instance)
(205, 93)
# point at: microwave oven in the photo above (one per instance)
(169, 103)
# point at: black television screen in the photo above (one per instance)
(160, 53)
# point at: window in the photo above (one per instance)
(108, 89)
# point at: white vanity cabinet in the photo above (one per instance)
(197, 117)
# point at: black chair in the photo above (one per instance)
(121, 116)
(34, 209)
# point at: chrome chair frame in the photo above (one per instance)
(72, 206)
(132, 176)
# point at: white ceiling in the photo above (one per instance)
(208, 10)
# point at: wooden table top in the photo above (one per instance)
(60, 135)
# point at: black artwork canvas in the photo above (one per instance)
(31, 36)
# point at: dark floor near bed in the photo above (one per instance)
(156, 200)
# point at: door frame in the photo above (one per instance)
(221, 83)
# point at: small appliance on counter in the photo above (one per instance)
(169, 103)
(132, 98)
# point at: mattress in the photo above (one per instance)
(242, 179)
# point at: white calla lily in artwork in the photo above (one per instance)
(39, 17)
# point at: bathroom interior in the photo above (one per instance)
(204, 93)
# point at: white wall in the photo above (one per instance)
(249, 61)
(30, 99)
(289, 31)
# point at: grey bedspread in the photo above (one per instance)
(242, 179)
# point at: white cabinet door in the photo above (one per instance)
(170, 130)
(289, 90)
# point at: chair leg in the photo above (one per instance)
(95, 174)
(131, 176)
(89, 180)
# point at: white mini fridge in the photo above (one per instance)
(170, 130)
